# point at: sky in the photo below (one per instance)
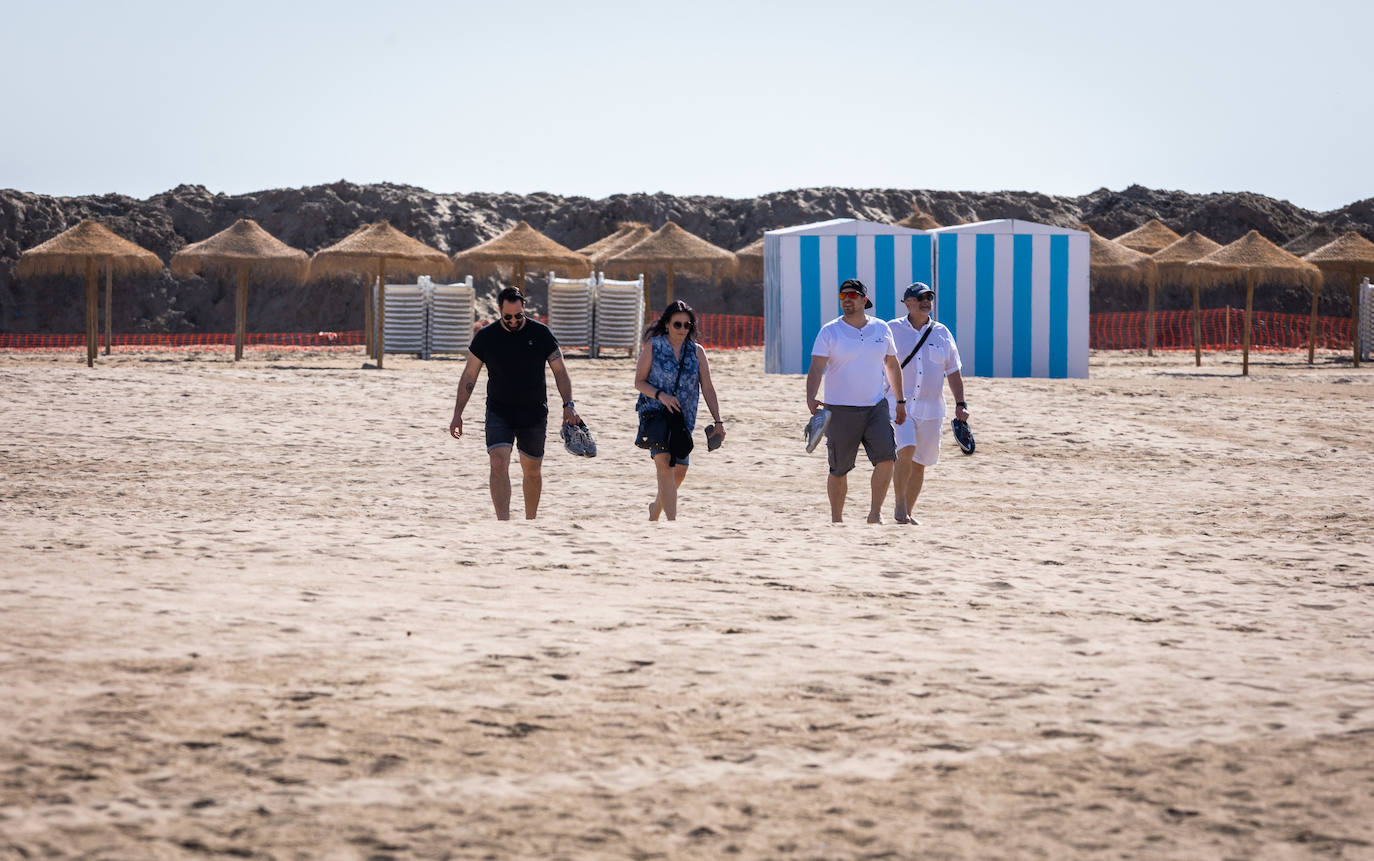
(735, 99)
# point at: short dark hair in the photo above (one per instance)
(509, 294)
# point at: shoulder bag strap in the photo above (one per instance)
(930, 327)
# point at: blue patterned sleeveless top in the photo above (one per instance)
(663, 372)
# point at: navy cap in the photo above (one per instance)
(854, 285)
(919, 288)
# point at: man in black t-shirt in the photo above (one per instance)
(514, 351)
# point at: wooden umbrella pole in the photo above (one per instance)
(240, 311)
(1197, 330)
(1312, 328)
(1355, 313)
(380, 340)
(1249, 306)
(92, 311)
(367, 315)
(109, 290)
(669, 300)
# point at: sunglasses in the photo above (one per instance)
(682, 324)
(850, 294)
(511, 318)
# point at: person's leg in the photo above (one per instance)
(666, 501)
(842, 447)
(901, 506)
(500, 480)
(836, 487)
(926, 453)
(532, 483)
(529, 442)
(881, 447)
(912, 489)
(882, 479)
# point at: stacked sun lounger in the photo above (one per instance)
(619, 319)
(406, 318)
(571, 311)
(452, 314)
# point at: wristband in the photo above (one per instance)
(902, 401)
(657, 392)
(568, 405)
(961, 404)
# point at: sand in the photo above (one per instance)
(263, 610)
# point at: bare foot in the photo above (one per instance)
(653, 511)
(875, 518)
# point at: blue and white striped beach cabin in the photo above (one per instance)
(1013, 292)
(804, 266)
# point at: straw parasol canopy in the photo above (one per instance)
(1149, 237)
(1255, 259)
(751, 261)
(627, 233)
(1111, 262)
(243, 250)
(919, 219)
(519, 247)
(670, 249)
(1172, 261)
(1349, 254)
(84, 249)
(374, 251)
(1311, 240)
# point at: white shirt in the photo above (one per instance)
(923, 378)
(854, 369)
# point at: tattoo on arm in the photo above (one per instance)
(470, 386)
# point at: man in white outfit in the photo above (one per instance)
(923, 375)
(852, 354)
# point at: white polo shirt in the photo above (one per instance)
(854, 371)
(924, 376)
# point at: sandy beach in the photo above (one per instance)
(263, 610)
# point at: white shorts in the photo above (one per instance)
(924, 435)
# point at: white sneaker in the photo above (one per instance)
(815, 429)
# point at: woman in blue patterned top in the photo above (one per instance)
(672, 371)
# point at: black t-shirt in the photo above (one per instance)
(515, 369)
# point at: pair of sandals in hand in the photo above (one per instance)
(577, 439)
(816, 425)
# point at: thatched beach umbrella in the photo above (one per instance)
(919, 219)
(1350, 254)
(1109, 261)
(627, 233)
(1148, 238)
(85, 248)
(1311, 240)
(245, 251)
(374, 251)
(518, 247)
(669, 249)
(1172, 261)
(750, 259)
(1255, 259)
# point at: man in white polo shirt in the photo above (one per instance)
(924, 374)
(853, 353)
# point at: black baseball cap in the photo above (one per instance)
(918, 289)
(854, 285)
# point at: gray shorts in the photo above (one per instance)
(850, 426)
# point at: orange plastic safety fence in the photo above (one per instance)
(1221, 329)
(201, 340)
(729, 331)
